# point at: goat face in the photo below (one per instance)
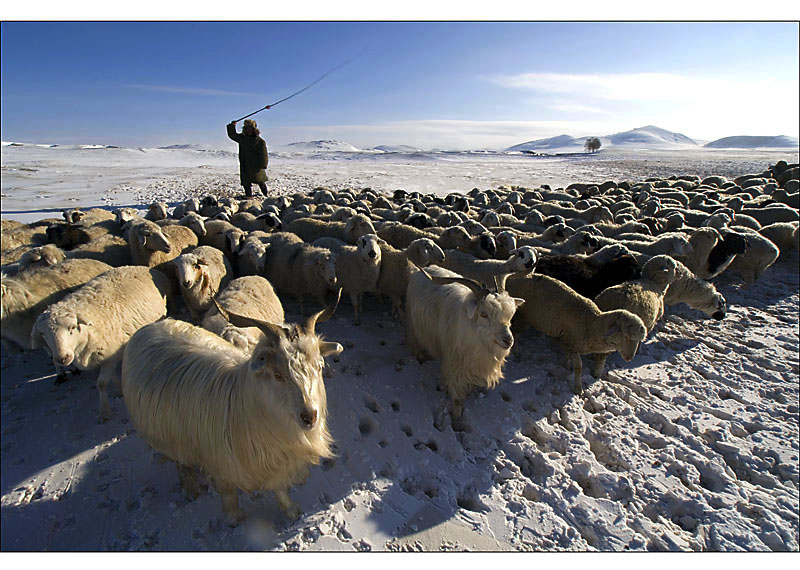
(492, 316)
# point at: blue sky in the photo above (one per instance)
(427, 84)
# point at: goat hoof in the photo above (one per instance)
(293, 512)
(234, 517)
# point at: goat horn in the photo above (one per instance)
(267, 328)
(506, 276)
(323, 315)
(476, 287)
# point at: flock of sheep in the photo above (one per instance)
(226, 385)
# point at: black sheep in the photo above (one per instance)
(587, 277)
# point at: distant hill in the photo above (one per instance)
(649, 136)
(396, 148)
(546, 144)
(780, 141)
(322, 146)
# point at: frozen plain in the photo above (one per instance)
(691, 446)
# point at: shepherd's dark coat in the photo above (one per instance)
(253, 158)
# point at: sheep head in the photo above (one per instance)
(506, 240)
(42, 256)
(357, 226)
(423, 252)
(150, 236)
(63, 336)
(661, 270)
(490, 219)
(256, 252)
(624, 332)
(370, 248)
(191, 271)
(323, 264)
(234, 240)
(73, 216)
(194, 222)
(524, 258)
(271, 221)
(156, 211)
(487, 246)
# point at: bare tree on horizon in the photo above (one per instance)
(592, 144)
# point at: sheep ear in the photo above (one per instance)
(83, 321)
(612, 330)
(517, 301)
(329, 348)
(37, 340)
(142, 238)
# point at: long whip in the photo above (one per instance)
(317, 80)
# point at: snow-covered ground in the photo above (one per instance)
(691, 446)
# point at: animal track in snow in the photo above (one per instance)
(371, 404)
(366, 426)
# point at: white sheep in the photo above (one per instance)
(702, 241)
(89, 327)
(644, 297)
(225, 237)
(357, 267)
(250, 421)
(673, 245)
(576, 323)
(464, 325)
(153, 246)
(506, 242)
(697, 293)
(311, 229)
(397, 265)
(188, 205)
(301, 269)
(252, 257)
(785, 235)
(109, 249)
(156, 211)
(759, 254)
(485, 270)
(27, 294)
(147, 240)
(42, 256)
(201, 274)
(250, 296)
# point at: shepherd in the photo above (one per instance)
(253, 158)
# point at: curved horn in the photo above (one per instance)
(267, 328)
(322, 315)
(476, 287)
